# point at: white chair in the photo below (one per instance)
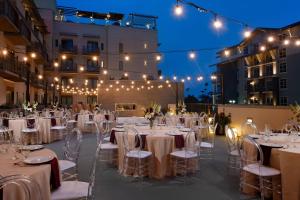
(27, 186)
(251, 167)
(71, 149)
(78, 189)
(58, 131)
(108, 152)
(232, 148)
(206, 144)
(30, 134)
(184, 161)
(136, 161)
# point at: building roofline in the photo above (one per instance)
(261, 29)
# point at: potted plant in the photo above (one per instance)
(222, 119)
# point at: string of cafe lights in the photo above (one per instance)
(247, 32)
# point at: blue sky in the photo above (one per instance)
(194, 31)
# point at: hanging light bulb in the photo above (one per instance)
(247, 32)
(192, 55)
(286, 42)
(217, 23)
(174, 78)
(271, 39)
(158, 57)
(262, 48)
(56, 64)
(178, 10)
(127, 58)
(33, 55)
(297, 43)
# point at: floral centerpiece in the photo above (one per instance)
(181, 108)
(295, 120)
(28, 108)
(54, 105)
(152, 112)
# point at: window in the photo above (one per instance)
(91, 65)
(268, 70)
(92, 45)
(282, 53)
(269, 85)
(66, 100)
(56, 43)
(67, 64)
(67, 44)
(245, 50)
(282, 37)
(283, 101)
(91, 99)
(282, 67)
(102, 46)
(93, 83)
(121, 48)
(246, 73)
(121, 65)
(269, 100)
(255, 72)
(283, 83)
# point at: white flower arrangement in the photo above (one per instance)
(152, 111)
(181, 107)
(28, 107)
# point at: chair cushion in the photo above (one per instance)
(72, 121)
(66, 164)
(234, 153)
(261, 170)
(106, 139)
(89, 122)
(58, 127)
(70, 190)
(184, 154)
(107, 146)
(29, 130)
(138, 154)
(206, 145)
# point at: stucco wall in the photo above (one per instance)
(276, 117)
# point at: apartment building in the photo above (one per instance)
(22, 53)
(261, 69)
(92, 52)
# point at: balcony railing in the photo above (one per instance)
(68, 49)
(40, 49)
(69, 68)
(9, 11)
(88, 50)
(93, 69)
(12, 69)
(35, 81)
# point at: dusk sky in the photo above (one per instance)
(194, 30)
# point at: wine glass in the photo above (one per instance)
(267, 133)
(293, 138)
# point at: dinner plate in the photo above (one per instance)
(173, 133)
(185, 129)
(37, 160)
(140, 124)
(254, 136)
(272, 145)
(31, 147)
(119, 126)
(161, 124)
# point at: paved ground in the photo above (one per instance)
(212, 182)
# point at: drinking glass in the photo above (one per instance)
(267, 133)
(293, 138)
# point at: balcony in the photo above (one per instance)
(12, 69)
(41, 51)
(70, 68)
(34, 81)
(9, 18)
(93, 69)
(90, 50)
(68, 49)
(23, 37)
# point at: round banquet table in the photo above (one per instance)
(45, 129)
(159, 143)
(40, 173)
(287, 160)
(17, 125)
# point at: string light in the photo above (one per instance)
(40, 76)
(297, 43)
(247, 33)
(262, 48)
(217, 23)
(227, 53)
(4, 52)
(178, 10)
(192, 55)
(286, 42)
(56, 64)
(271, 39)
(81, 68)
(25, 59)
(161, 77)
(95, 58)
(105, 72)
(188, 78)
(174, 78)
(144, 76)
(126, 74)
(127, 58)
(158, 58)
(33, 55)
(64, 57)
(199, 78)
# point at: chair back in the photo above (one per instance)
(100, 132)
(128, 144)
(73, 140)
(189, 142)
(250, 152)
(231, 139)
(27, 186)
